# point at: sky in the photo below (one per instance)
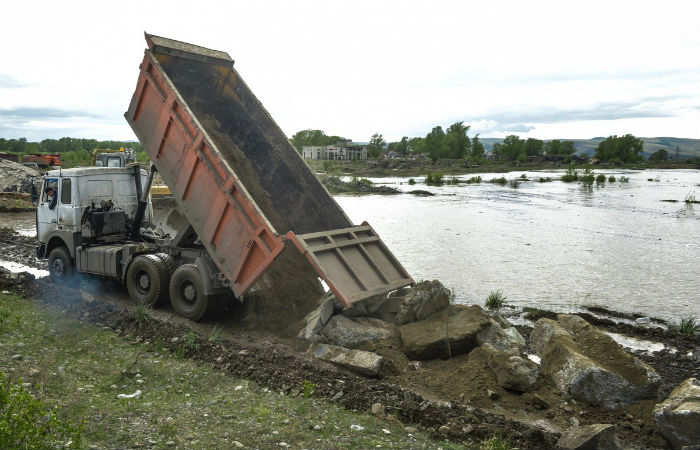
(542, 69)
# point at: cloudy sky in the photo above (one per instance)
(545, 69)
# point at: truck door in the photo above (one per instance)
(68, 214)
(47, 218)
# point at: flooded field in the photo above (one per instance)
(552, 245)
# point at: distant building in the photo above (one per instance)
(342, 150)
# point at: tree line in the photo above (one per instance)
(65, 144)
(454, 142)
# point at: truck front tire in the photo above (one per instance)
(60, 265)
(187, 292)
(146, 280)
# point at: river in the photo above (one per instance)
(551, 245)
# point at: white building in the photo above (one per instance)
(343, 150)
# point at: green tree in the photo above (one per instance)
(659, 155)
(376, 145)
(416, 145)
(303, 138)
(625, 148)
(435, 143)
(512, 148)
(533, 147)
(457, 142)
(477, 150)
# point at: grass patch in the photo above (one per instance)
(502, 181)
(514, 183)
(624, 179)
(687, 326)
(473, 180)
(496, 442)
(78, 369)
(495, 300)
(215, 334)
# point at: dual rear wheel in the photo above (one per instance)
(150, 280)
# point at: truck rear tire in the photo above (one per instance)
(187, 292)
(60, 265)
(146, 280)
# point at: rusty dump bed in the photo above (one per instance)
(239, 181)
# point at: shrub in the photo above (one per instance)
(190, 340)
(570, 175)
(687, 326)
(515, 183)
(624, 179)
(495, 300)
(611, 179)
(600, 179)
(588, 176)
(411, 181)
(453, 180)
(26, 422)
(502, 181)
(545, 180)
(434, 178)
(474, 180)
(523, 176)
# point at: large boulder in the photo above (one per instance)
(678, 417)
(494, 335)
(317, 318)
(452, 331)
(512, 372)
(598, 436)
(426, 298)
(354, 332)
(589, 365)
(360, 361)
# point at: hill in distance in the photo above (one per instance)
(687, 148)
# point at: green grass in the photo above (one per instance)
(475, 179)
(77, 369)
(687, 326)
(411, 181)
(611, 179)
(502, 181)
(514, 183)
(496, 442)
(495, 300)
(624, 179)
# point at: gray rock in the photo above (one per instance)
(590, 437)
(544, 331)
(366, 363)
(494, 335)
(378, 410)
(424, 299)
(353, 332)
(452, 331)
(502, 321)
(514, 335)
(678, 417)
(317, 318)
(512, 372)
(589, 365)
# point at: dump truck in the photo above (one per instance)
(113, 158)
(43, 161)
(243, 192)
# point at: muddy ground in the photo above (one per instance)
(447, 397)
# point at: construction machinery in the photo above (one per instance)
(43, 161)
(112, 158)
(244, 192)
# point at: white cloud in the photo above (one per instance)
(355, 68)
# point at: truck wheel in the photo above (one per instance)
(60, 265)
(187, 292)
(145, 280)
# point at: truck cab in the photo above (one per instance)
(76, 191)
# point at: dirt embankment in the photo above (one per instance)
(456, 397)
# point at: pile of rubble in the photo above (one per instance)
(582, 362)
(15, 177)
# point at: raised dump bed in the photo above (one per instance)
(241, 184)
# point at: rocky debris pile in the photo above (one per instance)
(337, 186)
(589, 365)
(678, 417)
(15, 177)
(21, 283)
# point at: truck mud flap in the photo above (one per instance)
(354, 262)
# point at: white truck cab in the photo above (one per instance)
(77, 190)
